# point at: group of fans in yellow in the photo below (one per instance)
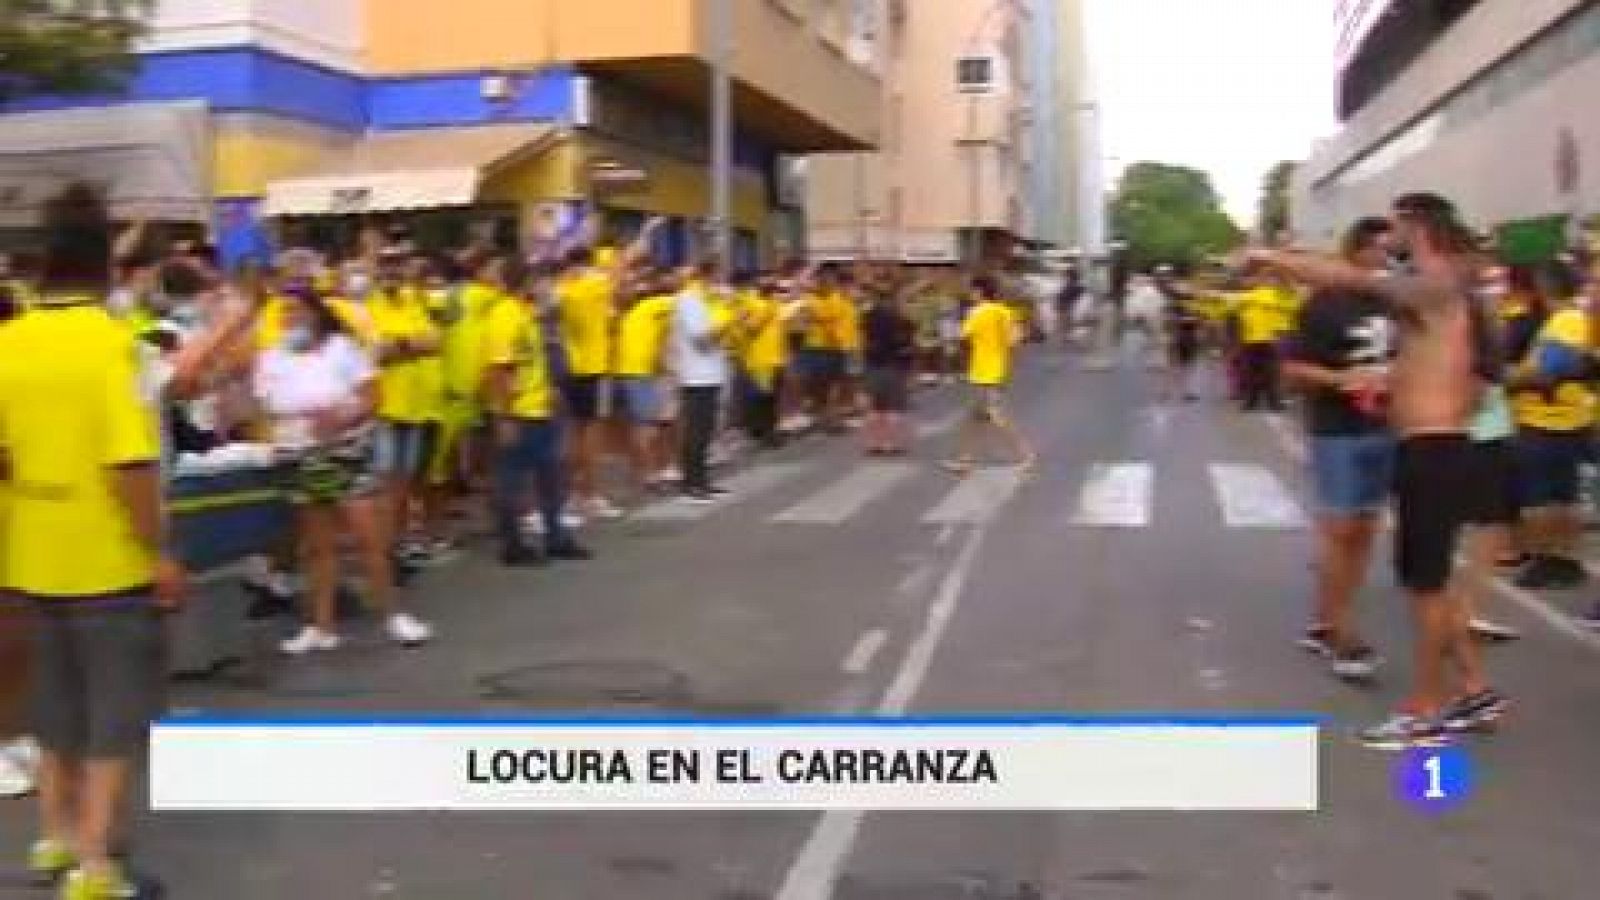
(383, 394)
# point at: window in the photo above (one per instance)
(977, 75)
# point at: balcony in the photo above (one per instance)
(791, 90)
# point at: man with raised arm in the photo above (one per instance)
(1433, 390)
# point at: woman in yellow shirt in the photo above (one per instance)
(641, 357)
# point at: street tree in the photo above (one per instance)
(1273, 216)
(68, 46)
(1170, 214)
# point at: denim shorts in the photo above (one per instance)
(1353, 474)
(1548, 465)
(638, 400)
(403, 449)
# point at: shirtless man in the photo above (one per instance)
(1434, 389)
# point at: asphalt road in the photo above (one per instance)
(1157, 563)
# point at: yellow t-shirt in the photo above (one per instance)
(1264, 315)
(829, 316)
(586, 312)
(406, 393)
(514, 337)
(642, 339)
(767, 349)
(990, 330)
(1570, 406)
(71, 409)
(463, 346)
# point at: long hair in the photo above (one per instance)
(325, 322)
(1438, 219)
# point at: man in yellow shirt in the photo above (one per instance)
(464, 318)
(827, 314)
(85, 543)
(1554, 410)
(521, 395)
(406, 348)
(764, 353)
(586, 296)
(991, 331)
(1264, 314)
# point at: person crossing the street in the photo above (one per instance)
(992, 333)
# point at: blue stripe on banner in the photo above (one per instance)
(1130, 720)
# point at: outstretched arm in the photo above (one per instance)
(1414, 292)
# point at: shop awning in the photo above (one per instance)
(153, 160)
(410, 170)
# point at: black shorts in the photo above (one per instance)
(582, 394)
(1434, 499)
(887, 389)
(1494, 490)
(99, 674)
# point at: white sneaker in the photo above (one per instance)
(408, 630)
(670, 475)
(601, 508)
(572, 520)
(17, 769)
(311, 638)
(533, 523)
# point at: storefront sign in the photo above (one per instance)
(349, 200)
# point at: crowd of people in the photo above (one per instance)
(393, 393)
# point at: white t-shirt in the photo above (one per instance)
(294, 386)
(701, 360)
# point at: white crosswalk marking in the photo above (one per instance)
(937, 427)
(843, 499)
(1117, 495)
(1252, 497)
(744, 485)
(976, 498)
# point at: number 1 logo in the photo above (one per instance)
(1435, 780)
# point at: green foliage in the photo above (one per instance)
(68, 46)
(1273, 217)
(1170, 214)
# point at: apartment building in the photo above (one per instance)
(312, 114)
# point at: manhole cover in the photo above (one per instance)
(951, 887)
(587, 684)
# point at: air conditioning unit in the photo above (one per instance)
(980, 74)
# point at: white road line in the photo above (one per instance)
(937, 427)
(1294, 445)
(915, 580)
(743, 485)
(1253, 497)
(1117, 495)
(1551, 615)
(976, 498)
(864, 651)
(843, 499)
(816, 869)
